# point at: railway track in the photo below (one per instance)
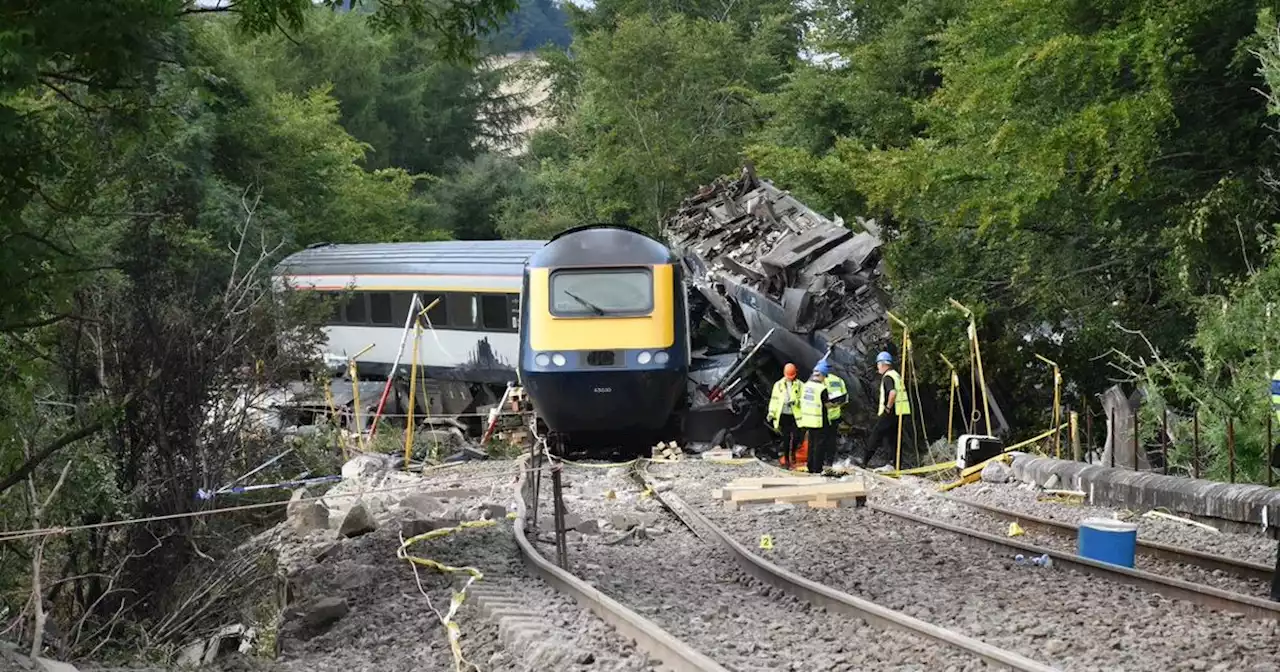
(690, 577)
(1218, 581)
(1077, 615)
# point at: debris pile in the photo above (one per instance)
(667, 450)
(762, 259)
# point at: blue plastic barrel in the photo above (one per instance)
(1107, 540)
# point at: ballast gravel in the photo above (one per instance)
(1253, 548)
(922, 499)
(1060, 617)
(696, 591)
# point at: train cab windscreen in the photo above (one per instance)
(602, 292)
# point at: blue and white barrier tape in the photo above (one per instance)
(242, 489)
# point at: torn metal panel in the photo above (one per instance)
(762, 259)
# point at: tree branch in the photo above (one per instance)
(48, 451)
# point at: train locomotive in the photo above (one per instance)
(604, 340)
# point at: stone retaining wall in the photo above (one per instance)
(1105, 486)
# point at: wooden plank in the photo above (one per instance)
(802, 492)
(775, 481)
(828, 502)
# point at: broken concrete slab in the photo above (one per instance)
(322, 612)
(421, 504)
(1119, 448)
(357, 522)
(306, 516)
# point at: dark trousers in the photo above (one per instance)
(885, 431)
(821, 447)
(791, 437)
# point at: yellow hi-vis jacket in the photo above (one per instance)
(775, 401)
(810, 416)
(901, 404)
(836, 390)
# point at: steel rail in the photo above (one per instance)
(1168, 586)
(1186, 556)
(674, 654)
(824, 596)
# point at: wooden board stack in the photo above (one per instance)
(817, 492)
(668, 450)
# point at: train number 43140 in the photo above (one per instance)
(603, 390)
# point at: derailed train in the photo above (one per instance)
(593, 323)
(605, 339)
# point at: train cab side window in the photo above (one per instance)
(494, 314)
(356, 312)
(462, 310)
(514, 302)
(380, 308)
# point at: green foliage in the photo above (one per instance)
(660, 104)
(156, 159)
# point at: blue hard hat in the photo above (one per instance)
(822, 367)
(884, 358)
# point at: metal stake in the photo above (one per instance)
(562, 553)
(1231, 448)
(536, 464)
(1075, 435)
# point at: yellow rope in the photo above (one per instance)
(451, 627)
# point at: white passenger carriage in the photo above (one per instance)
(473, 330)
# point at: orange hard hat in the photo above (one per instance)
(789, 371)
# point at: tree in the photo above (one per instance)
(659, 105)
(413, 109)
(153, 178)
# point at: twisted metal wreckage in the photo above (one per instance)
(771, 271)
(771, 281)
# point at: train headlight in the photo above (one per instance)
(644, 358)
(661, 358)
(543, 359)
(558, 359)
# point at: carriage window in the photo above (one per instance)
(436, 315)
(605, 292)
(515, 312)
(462, 310)
(355, 309)
(380, 308)
(493, 312)
(336, 306)
(400, 302)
